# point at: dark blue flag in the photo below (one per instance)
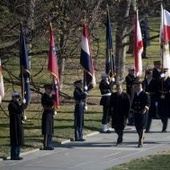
(109, 68)
(24, 68)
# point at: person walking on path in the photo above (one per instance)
(119, 110)
(79, 97)
(140, 107)
(47, 101)
(105, 87)
(16, 108)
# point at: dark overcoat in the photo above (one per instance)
(119, 107)
(153, 90)
(140, 113)
(48, 114)
(16, 128)
(79, 97)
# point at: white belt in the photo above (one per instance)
(107, 94)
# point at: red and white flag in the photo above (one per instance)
(165, 38)
(53, 68)
(138, 47)
(2, 91)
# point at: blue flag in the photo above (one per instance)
(24, 68)
(109, 68)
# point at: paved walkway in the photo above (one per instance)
(98, 152)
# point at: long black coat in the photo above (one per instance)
(153, 89)
(138, 105)
(48, 113)
(119, 107)
(16, 129)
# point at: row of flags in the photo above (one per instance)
(86, 60)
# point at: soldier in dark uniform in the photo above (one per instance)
(105, 87)
(156, 70)
(119, 109)
(164, 97)
(130, 79)
(150, 86)
(15, 108)
(145, 35)
(140, 106)
(79, 97)
(47, 101)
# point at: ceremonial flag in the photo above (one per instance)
(138, 47)
(53, 68)
(165, 38)
(110, 67)
(86, 59)
(24, 68)
(2, 91)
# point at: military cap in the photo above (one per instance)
(15, 94)
(157, 63)
(132, 68)
(78, 81)
(103, 74)
(165, 70)
(48, 86)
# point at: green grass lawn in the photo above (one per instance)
(159, 161)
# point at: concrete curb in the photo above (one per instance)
(62, 142)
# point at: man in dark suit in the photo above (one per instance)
(145, 35)
(15, 108)
(47, 101)
(140, 107)
(79, 96)
(119, 109)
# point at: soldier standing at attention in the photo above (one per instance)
(79, 97)
(130, 79)
(15, 108)
(150, 86)
(105, 87)
(140, 107)
(47, 101)
(119, 109)
(164, 98)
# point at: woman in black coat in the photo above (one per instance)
(15, 109)
(119, 109)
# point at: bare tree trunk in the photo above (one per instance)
(121, 32)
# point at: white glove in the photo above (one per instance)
(85, 88)
(23, 100)
(113, 79)
(55, 113)
(85, 107)
(162, 75)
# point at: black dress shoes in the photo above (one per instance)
(17, 158)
